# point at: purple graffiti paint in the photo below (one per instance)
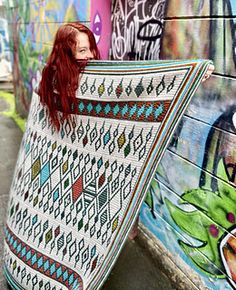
(101, 25)
(230, 217)
(213, 230)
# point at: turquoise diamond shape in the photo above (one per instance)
(158, 111)
(133, 110)
(27, 148)
(46, 266)
(45, 173)
(107, 109)
(55, 195)
(148, 111)
(28, 255)
(34, 219)
(18, 248)
(124, 110)
(100, 162)
(11, 241)
(90, 107)
(65, 276)
(23, 252)
(34, 259)
(81, 106)
(71, 279)
(140, 111)
(59, 272)
(93, 251)
(52, 268)
(116, 109)
(40, 262)
(15, 244)
(98, 108)
(106, 137)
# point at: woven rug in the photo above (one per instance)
(75, 194)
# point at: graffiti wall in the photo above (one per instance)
(5, 55)
(136, 29)
(33, 25)
(190, 206)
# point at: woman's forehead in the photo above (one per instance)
(82, 39)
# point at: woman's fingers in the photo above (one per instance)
(209, 72)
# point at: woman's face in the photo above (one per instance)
(82, 50)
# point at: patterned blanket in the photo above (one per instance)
(76, 193)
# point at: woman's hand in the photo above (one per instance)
(209, 72)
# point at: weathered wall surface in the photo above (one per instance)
(4, 36)
(191, 203)
(33, 24)
(5, 63)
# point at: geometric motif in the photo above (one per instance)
(76, 193)
(138, 111)
(42, 263)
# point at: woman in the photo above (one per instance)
(73, 46)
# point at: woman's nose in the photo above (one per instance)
(89, 55)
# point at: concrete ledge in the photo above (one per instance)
(168, 263)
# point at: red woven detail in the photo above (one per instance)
(94, 264)
(54, 276)
(35, 266)
(57, 265)
(101, 180)
(77, 188)
(60, 280)
(57, 231)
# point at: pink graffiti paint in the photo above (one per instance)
(100, 18)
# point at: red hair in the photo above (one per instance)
(60, 76)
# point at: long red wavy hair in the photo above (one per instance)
(61, 75)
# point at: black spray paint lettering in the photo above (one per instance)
(145, 27)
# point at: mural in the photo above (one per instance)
(5, 55)
(33, 26)
(101, 25)
(136, 29)
(214, 202)
(190, 205)
(4, 37)
(184, 27)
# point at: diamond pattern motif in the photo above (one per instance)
(75, 192)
